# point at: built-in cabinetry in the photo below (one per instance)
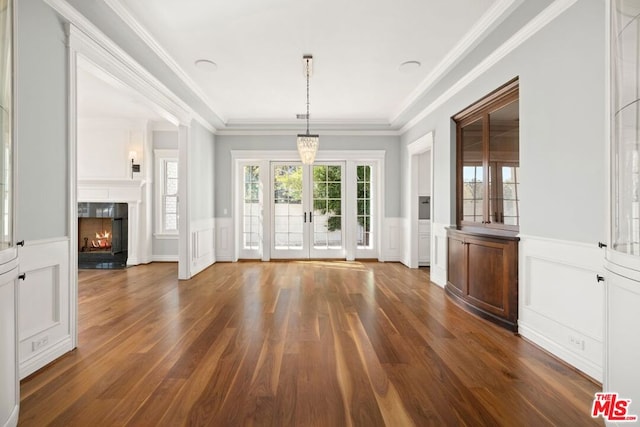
(622, 280)
(483, 246)
(483, 275)
(9, 386)
(424, 242)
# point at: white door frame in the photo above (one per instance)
(415, 149)
(375, 158)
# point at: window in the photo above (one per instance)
(166, 202)
(364, 238)
(488, 161)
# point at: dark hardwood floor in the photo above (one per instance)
(294, 344)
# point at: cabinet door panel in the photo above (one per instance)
(456, 268)
(486, 283)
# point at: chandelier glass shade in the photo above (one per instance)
(307, 143)
(308, 147)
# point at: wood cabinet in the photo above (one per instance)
(483, 275)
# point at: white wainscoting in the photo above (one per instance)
(392, 242)
(225, 237)
(561, 304)
(203, 250)
(46, 329)
(438, 267)
(164, 258)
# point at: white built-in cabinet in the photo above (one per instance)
(9, 388)
(424, 242)
(9, 381)
(622, 281)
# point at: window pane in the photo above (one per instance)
(171, 222)
(171, 204)
(503, 157)
(172, 169)
(472, 171)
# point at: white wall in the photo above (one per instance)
(201, 181)
(42, 190)
(563, 171)
(104, 145)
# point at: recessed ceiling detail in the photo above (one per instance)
(206, 65)
(357, 42)
(409, 67)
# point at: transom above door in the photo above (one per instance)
(307, 218)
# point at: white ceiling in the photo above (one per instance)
(258, 45)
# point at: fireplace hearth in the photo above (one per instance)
(102, 235)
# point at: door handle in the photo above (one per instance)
(310, 216)
(305, 217)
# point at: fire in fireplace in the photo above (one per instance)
(102, 235)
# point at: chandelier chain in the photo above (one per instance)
(307, 96)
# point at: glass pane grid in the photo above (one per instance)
(327, 207)
(252, 209)
(363, 201)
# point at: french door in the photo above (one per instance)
(307, 219)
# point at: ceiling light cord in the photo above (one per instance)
(307, 96)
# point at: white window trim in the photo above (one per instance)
(160, 157)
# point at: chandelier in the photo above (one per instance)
(307, 143)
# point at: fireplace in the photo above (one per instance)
(102, 235)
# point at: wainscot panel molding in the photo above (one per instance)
(203, 251)
(438, 267)
(225, 251)
(392, 241)
(121, 191)
(561, 302)
(46, 330)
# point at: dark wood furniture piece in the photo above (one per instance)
(483, 246)
(483, 275)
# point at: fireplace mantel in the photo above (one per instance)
(130, 191)
(110, 190)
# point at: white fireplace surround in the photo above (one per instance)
(130, 191)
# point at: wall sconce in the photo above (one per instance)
(135, 167)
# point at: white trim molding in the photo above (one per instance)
(532, 27)
(561, 302)
(125, 14)
(202, 244)
(438, 266)
(487, 23)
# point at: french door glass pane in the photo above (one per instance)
(288, 209)
(327, 207)
(252, 209)
(363, 201)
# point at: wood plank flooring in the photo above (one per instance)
(294, 344)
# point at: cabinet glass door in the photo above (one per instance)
(6, 99)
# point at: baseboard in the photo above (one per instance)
(39, 360)
(164, 258)
(588, 367)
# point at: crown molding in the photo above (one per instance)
(127, 17)
(91, 36)
(290, 127)
(532, 27)
(488, 22)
